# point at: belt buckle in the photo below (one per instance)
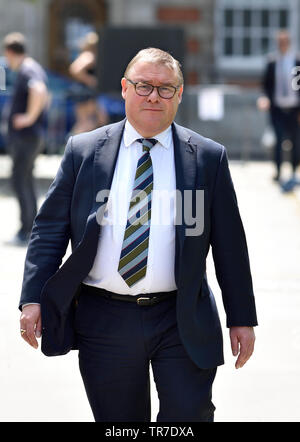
(143, 300)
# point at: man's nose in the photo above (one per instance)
(154, 96)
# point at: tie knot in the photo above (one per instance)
(147, 143)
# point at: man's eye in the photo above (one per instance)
(144, 87)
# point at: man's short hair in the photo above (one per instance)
(15, 42)
(155, 55)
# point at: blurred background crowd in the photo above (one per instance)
(220, 43)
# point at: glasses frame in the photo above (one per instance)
(153, 87)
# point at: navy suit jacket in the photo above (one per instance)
(69, 213)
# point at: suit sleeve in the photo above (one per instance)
(50, 233)
(229, 249)
(265, 80)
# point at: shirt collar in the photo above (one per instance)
(288, 55)
(131, 135)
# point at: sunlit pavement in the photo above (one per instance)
(36, 388)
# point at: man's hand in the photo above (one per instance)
(263, 104)
(38, 99)
(30, 321)
(242, 344)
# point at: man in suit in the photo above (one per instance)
(134, 289)
(282, 100)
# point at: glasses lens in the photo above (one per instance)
(166, 91)
(143, 89)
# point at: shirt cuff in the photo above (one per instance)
(30, 303)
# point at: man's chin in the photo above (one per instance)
(152, 129)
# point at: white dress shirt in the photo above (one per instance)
(161, 252)
(285, 95)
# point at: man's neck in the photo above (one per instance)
(285, 53)
(144, 133)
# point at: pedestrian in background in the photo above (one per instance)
(89, 113)
(283, 102)
(25, 127)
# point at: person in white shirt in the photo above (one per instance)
(282, 100)
(141, 201)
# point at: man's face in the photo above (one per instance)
(283, 42)
(12, 59)
(150, 115)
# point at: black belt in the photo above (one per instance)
(148, 299)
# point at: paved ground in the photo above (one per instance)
(36, 388)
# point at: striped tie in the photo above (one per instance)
(134, 253)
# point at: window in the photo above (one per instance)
(246, 29)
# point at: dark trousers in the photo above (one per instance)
(23, 151)
(286, 126)
(117, 341)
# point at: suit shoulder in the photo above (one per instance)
(84, 144)
(84, 138)
(201, 142)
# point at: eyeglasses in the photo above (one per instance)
(145, 89)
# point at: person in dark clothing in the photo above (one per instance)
(25, 127)
(282, 101)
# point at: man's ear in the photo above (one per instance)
(180, 93)
(124, 87)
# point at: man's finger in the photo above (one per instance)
(30, 321)
(24, 335)
(38, 330)
(245, 353)
(234, 345)
(29, 335)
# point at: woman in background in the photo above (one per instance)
(89, 114)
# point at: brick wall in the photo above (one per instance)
(175, 14)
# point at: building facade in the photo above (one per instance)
(226, 40)
(226, 44)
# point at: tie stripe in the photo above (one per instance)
(143, 177)
(140, 198)
(136, 225)
(139, 230)
(134, 253)
(140, 207)
(145, 165)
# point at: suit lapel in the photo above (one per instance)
(186, 171)
(105, 159)
(103, 168)
(106, 153)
